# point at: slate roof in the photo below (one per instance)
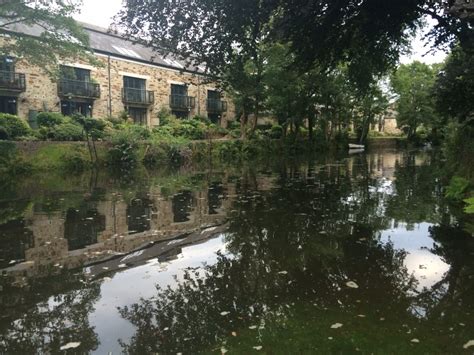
(104, 42)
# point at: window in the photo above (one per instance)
(177, 89)
(72, 73)
(138, 114)
(134, 83)
(179, 101)
(8, 105)
(7, 64)
(69, 108)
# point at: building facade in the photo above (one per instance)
(132, 79)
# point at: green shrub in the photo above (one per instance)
(66, 132)
(124, 151)
(11, 163)
(233, 125)
(179, 154)
(235, 133)
(75, 161)
(49, 119)
(95, 127)
(165, 116)
(276, 132)
(457, 188)
(470, 205)
(155, 155)
(12, 127)
(202, 119)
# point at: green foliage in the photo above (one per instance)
(75, 161)
(92, 126)
(454, 87)
(56, 127)
(188, 129)
(414, 85)
(62, 36)
(124, 151)
(49, 119)
(12, 127)
(459, 149)
(11, 163)
(470, 205)
(457, 188)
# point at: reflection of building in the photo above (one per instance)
(100, 229)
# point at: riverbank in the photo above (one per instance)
(41, 156)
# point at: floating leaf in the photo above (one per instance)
(414, 340)
(259, 347)
(468, 344)
(352, 284)
(70, 346)
(283, 272)
(253, 327)
(336, 325)
(224, 313)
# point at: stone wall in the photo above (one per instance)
(42, 94)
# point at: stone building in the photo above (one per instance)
(133, 79)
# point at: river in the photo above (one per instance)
(355, 253)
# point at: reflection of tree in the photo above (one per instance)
(418, 192)
(294, 244)
(48, 325)
(451, 297)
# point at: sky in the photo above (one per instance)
(100, 13)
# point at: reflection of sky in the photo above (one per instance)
(425, 266)
(130, 285)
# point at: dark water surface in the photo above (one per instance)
(356, 254)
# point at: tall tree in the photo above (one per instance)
(454, 89)
(368, 34)
(413, 83)
(61, 36)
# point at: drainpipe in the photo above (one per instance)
(199, 95)
(110, 88)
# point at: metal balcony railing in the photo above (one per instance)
(10, 80)
(216, 106)
(78, 88)
(182, 102)
(137, 96)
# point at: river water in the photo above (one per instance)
(357, 253)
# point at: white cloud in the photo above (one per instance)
(99, 12)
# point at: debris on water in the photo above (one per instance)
(107, 279)
(223, 350)
(336, 325)
(122, 265)
(415, 340)
(253, 327)
(283, 272)
(468, 344)
(71, 345)
(259, 347)
(330, 338)
(234, 334)
(224, 313)
(361, 315)
(352, 284)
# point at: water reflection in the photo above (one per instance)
(271, 248)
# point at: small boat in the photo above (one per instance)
(356, 146)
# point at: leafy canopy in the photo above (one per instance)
(61, 36)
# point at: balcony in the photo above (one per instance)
(78, 88)
(12, 81)
(182, 102)
(216, 106)
(137, 96)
